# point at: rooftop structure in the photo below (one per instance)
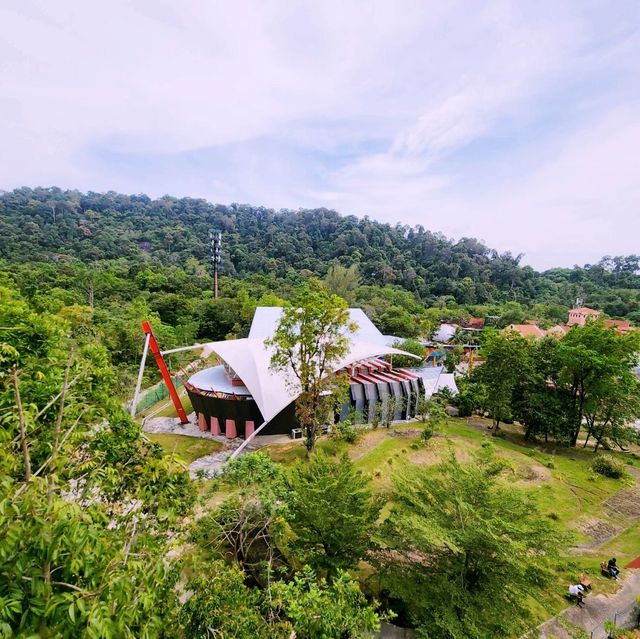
(620, 326)
(581, 315)
(527, 330)
(242, 393)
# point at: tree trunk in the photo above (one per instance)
(590, 431)
(26, 457)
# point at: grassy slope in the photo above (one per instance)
(188, 449)
(560, 480)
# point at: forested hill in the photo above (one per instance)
(52, 225)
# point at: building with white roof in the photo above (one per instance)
(243, 393)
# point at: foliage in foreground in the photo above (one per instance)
(93, 516)
(332, 513)
(87, 507)
(464, 549)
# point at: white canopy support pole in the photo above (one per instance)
(145, 350)
(240, 448)
(182, 348)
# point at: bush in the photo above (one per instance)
(426, 434)
(608, 467)
(252, 468)
(345, 431)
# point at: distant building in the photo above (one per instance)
(444, 333)
(527, 330)
(473, 322)
(620, 326)
(581, 315)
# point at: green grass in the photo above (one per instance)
(169, 411)
(625, 547)
(186, 448)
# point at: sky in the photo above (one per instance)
(514, 122)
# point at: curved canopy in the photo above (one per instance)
(272, 392)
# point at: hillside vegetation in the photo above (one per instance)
(54, 225)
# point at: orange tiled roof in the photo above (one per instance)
(527, 330)
(621, 326)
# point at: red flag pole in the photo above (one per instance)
(155, 349)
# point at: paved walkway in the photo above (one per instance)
(209, 465)
(597, 609)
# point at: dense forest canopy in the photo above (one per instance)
(53, 225)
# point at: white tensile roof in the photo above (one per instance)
(435, 379)
(251, 359)
(266, 318)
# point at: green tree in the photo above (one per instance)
(309, 342)
(332, 513)
(504, 354)
(343, 281)
(615, 407)
(595, 368)
(538, 402)
(222, 605)
(344, 610)
(396, 320)
(462, 544)
(410, 346)
(79, 557)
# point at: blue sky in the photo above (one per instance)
(514, 122)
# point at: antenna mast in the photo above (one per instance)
(215, 238)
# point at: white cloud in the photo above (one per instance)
(369, 108)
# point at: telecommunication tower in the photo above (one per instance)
(215, 239)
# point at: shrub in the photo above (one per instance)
(608, 467)
(253, 468)
(345, 431)
(426, 434)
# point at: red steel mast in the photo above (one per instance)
(155, 349)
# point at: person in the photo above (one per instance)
(612, 567)
(577, 591)
(585, 582)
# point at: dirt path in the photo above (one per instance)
(597, 609)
